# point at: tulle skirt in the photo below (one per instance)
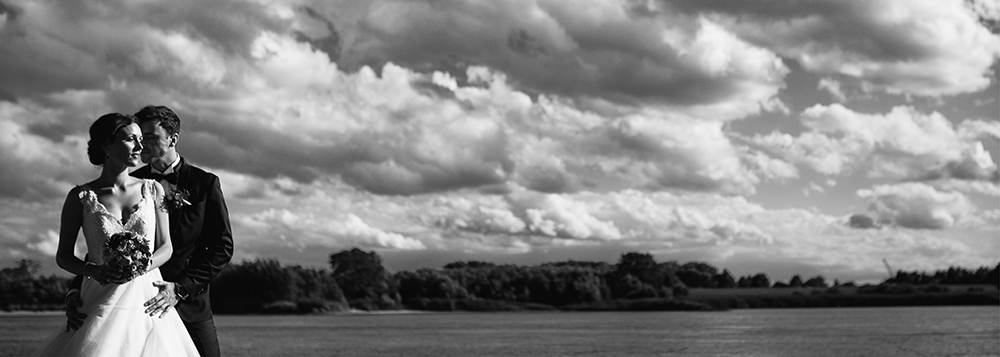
(117, 325)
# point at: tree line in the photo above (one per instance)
(357, 279)
(953, 275)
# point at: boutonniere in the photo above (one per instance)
(176, 199)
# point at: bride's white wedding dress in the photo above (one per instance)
(116, 323)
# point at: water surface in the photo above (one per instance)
(897, 331)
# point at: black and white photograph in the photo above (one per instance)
(518, 178)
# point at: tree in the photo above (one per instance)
(630, 287)
(364, 281)
(22, 287)
(760, 281)
(472, 264)
(796, 282)
(815, 282)
(317, 284)
(263, 285)
(427, 283)
(249, 286)
(744, 282)
(697, 274)
(724, 280)
(658, 277)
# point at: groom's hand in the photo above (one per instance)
(74, 318)
(163, 301)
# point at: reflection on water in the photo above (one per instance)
(902, 331)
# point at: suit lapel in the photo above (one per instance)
(183, 170)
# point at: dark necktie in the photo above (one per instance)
(171, 177)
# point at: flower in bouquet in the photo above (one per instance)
(176, 199)
(127, 253)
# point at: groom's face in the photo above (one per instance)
(155, 141)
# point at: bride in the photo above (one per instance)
(115, 202)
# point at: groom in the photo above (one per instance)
(199, 230)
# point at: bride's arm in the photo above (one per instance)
(162, 248)
(69, 227)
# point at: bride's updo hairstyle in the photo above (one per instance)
(103, 131)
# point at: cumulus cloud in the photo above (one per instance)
(304, 230)
(656, 218)
(518, 221)
(556, 216)
(47, 243)
(901, 144)
(923, 47)
(986, 10)
(979, 129)
(518, 126)
(917, 205)
(28, 230)
(979, 188)
(768, 167)
(816, 187)
(845, 254)
(467, 215)
(39, 159)
(677, 153)
(593, 50)
(833, 87)
(708, 226)
(481, 134)
(991, 217)
(261, 98)
(530, 213)
(861, 221)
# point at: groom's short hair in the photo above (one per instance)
(167, 118)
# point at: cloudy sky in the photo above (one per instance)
(775, 136)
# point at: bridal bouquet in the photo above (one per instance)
(128, 253)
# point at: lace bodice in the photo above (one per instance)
(116, 322)
(99, 224)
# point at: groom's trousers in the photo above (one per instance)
(205, 337)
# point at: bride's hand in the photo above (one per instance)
(103, 274)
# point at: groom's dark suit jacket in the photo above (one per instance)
(201, 237)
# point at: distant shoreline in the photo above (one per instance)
(705, 299)
(721, 299)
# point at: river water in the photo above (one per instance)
(894, 331)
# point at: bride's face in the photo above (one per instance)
(126, 146)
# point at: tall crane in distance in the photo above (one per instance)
(888, 268)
